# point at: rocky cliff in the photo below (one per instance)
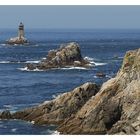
(112, 108)
(115, 108)
(67, 55)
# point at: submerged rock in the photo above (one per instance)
(66, 56)
(100, 75)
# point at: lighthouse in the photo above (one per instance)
(20, 39)
(21, 30)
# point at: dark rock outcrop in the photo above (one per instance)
(66, 56)
(5, 115)
(100, 75)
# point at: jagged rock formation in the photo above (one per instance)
(55, 111)
(112, 109)
(67, 55)
(115, 108)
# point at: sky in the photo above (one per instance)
(71, 17)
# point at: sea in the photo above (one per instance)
(21, 88)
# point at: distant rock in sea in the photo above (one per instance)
(20, 39)
(67, 55)
(110, 109)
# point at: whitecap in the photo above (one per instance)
(32, 61)
(44, 58)
(33, 122)
(54, 96)
(99, 64)
(14, 129)
(71, 68)
(26, 69)
(88, 58)
(3, 44)
(4, 62)
(7, 106)
(56, 133)
(23, 69)
(92, 61)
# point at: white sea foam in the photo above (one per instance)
(67, 68)
(107, 76)
(92, 61)
(7, 106)
(44, 58)
(4, 62)
(36, 61)
(3, 44)
(26, 69)
(89, 58)
(14, 129)
(99, 64)
(54, 96)
(71, 68)
(33, 122)
(30, 61)
(56, 133)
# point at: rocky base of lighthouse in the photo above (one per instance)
(17, 40)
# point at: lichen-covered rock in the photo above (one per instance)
(67, 55)
(61, 108)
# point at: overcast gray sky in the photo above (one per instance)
(70, 16)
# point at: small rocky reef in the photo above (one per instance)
(67, 55)
(110, 109)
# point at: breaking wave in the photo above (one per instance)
(92, 61)
(18, 62)
(71, 68)
(26, 69)
(68, 68)
(56, 133)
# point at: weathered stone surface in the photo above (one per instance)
(67, 55)
(61, 108)
(115, 108)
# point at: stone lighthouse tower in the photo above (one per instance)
(21, 30)
(20, 39)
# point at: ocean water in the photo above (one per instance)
(20, 88)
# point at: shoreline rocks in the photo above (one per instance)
(66, 56)
(59, 109)
(110, 109)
